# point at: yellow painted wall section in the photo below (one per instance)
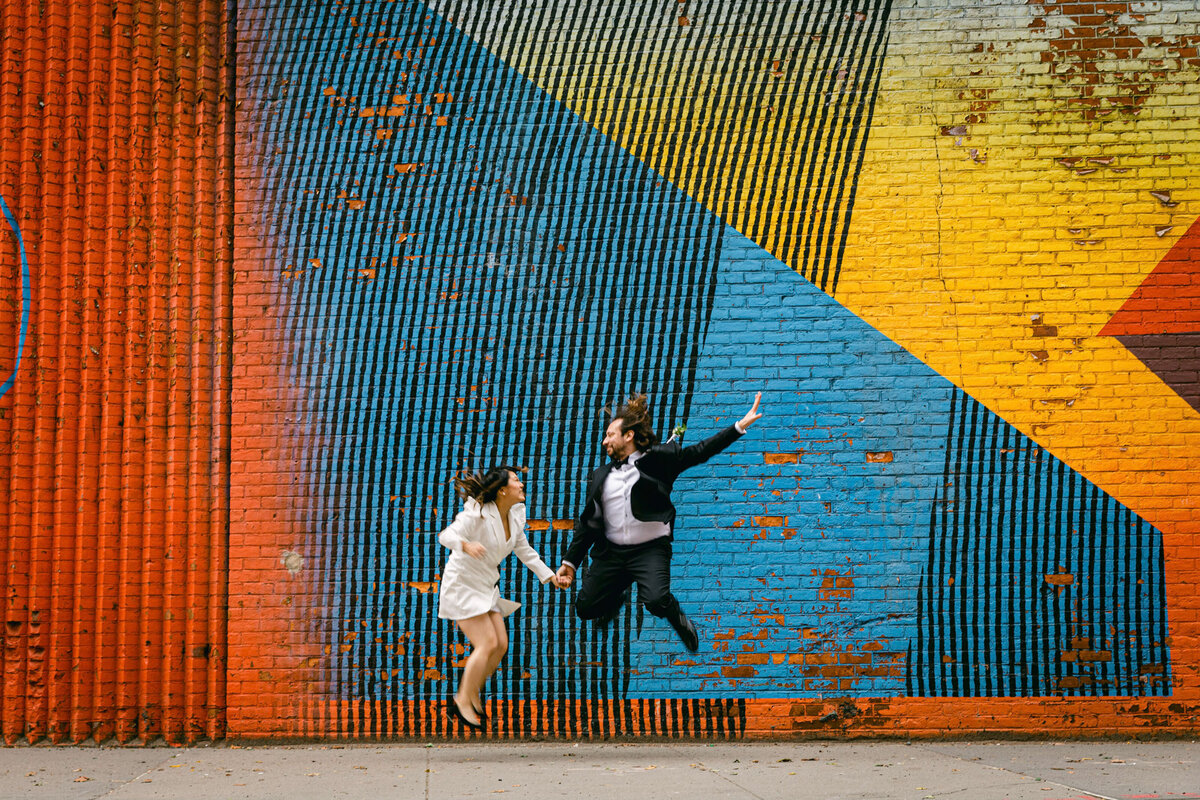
(1023, 177)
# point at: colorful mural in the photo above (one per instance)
(273, 271)
(529, 211)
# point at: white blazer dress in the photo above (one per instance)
(471, 586)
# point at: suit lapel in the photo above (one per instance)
(516, 522)
(597, 487)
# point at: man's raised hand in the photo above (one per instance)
(752, 414)
(565, 576)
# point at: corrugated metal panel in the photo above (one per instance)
(114, 437)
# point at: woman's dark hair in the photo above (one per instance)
(483, 486)
(634, 414)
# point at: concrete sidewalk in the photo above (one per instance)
(793, 771)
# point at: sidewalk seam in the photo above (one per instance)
(1023, 774)
(135, 778)
(704, 768)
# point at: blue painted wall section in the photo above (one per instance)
(818, 550)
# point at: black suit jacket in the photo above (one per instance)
(659, 466)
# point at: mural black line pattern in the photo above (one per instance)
(425, 366)
(760, 113)
(1020, 600)
(477, 305)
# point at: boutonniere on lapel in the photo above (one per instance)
(677, 433)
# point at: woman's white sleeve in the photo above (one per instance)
(456, 532)
(530, 558)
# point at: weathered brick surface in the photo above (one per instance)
(955, 245)
(916, 227)
(114, 430)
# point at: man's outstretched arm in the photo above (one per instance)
(703, 451)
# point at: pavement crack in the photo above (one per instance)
(135, 778)
(428, 770)
(1046, 781)
(700, 766)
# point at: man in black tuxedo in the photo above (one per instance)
(627, 518)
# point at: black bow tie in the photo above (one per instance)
(623, 462)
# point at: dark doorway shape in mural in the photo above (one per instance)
(1037, 583)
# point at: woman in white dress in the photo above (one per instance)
(490, 526)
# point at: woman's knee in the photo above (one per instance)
(484, 643)
(493, 645)
(500, 632)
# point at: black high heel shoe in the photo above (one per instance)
(479, 712)
(457, 712)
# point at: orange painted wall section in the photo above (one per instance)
(114, 435)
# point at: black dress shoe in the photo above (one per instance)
(687, 632)
(455, 711)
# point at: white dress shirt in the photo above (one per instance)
(620, 525)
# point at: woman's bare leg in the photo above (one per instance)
(498, 653)
(481, 633)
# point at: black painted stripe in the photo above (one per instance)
(837, 107)
(1052, 638)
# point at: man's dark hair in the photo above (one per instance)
(484, 486)
(634, 414)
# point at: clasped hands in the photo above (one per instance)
(564, 577)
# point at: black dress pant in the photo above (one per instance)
(616, 567)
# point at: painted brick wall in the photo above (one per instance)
(273, 271)
(115, 292)
(951, 243)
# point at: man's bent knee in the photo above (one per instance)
(590, 608)
(586, 609)
(664, 605)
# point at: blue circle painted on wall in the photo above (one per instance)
(25, 296)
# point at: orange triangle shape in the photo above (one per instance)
(1168, 301)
